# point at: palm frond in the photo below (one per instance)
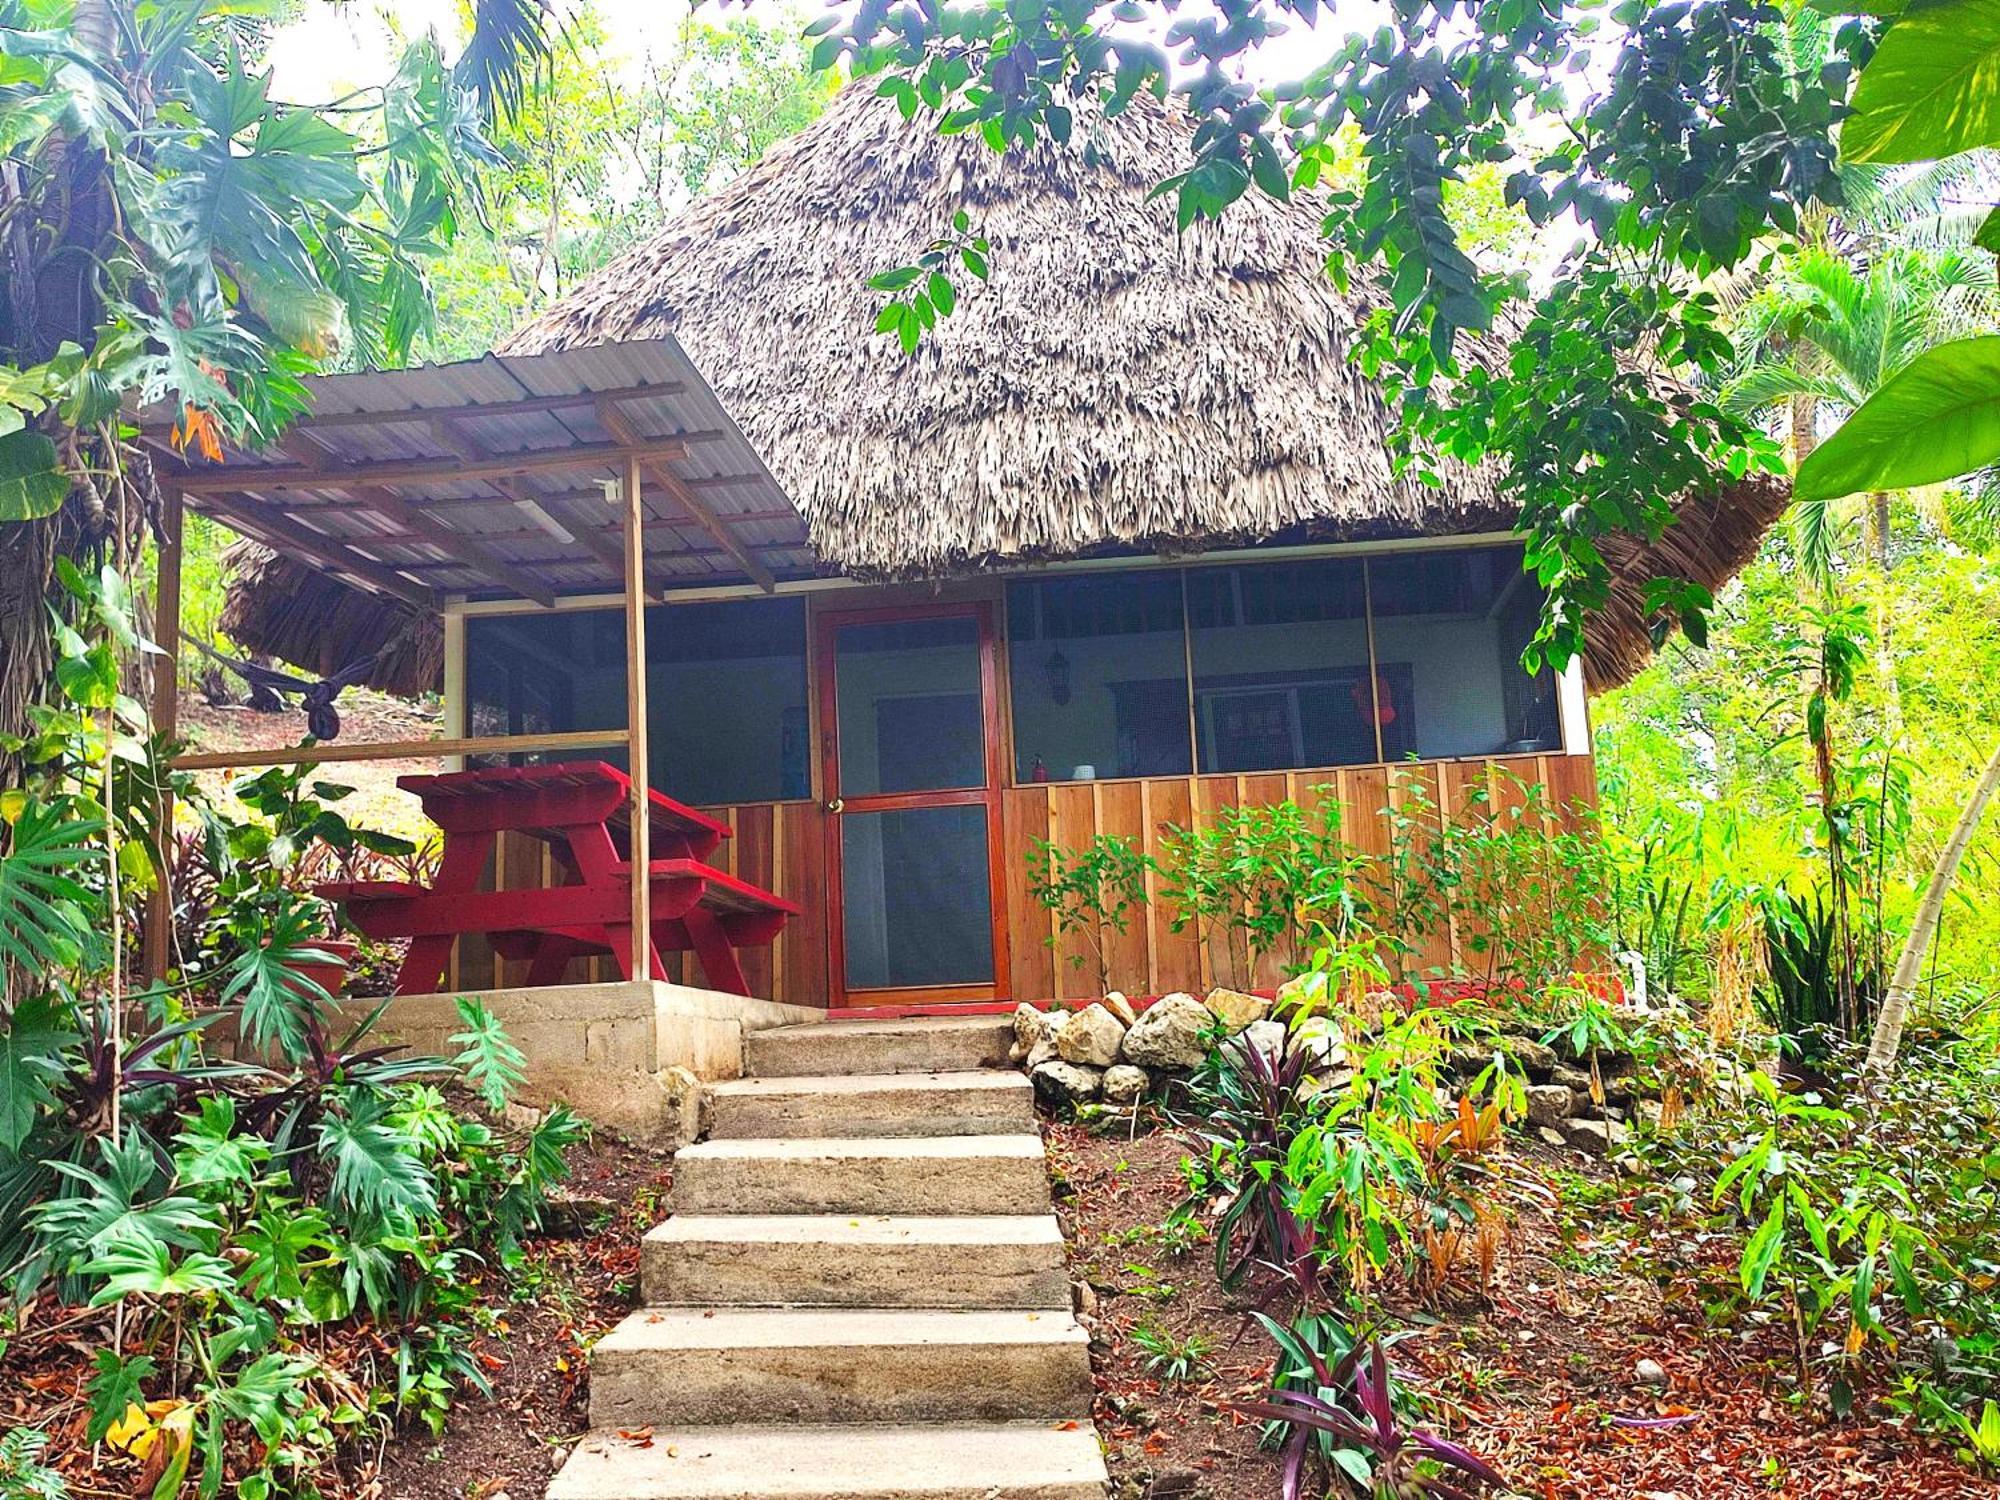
(510, 40)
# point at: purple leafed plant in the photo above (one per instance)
(1354, 1405)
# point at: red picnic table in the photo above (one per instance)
(582, 810)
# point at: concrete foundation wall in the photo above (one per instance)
(629, 1056)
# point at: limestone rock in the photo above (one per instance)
(1534, 1056)
(1650, 1372)
(1044, 1050)
(1548, 1103)
(1595, 1136)
(1119, 1006)
(1171, 1034)
(1124, 1084)
(1236, 1009)
(1066, 1083)
(1091, 1038)
(1031, 1028)
(1551, 1136)
(1306, 991)
(1267, 1037)
(1322, 1040)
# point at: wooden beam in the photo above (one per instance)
(470, 550)
(158, 949)
(319, 755)
(281, 532)
(620, 426)
(515, 407)
(639, 767)
(600, 546)
(240, 478)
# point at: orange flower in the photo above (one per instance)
(197, 429)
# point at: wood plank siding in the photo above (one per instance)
(782, 846)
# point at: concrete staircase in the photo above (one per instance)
(862, 1294)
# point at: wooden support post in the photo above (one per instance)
(635, 720)
(159, 936)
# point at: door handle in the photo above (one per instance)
(835, 805)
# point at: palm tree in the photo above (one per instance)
(1822, 337)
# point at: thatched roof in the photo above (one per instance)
(284, 608)
(1114, 387)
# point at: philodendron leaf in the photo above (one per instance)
(1935, 419)
(1932, 89)
(32, 483)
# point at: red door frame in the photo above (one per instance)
(826, 626)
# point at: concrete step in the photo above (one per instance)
(666, 1367)
(911, 1104)
(1022, 1461)
(738, 1260)
(950, 1174)
(923, 1044)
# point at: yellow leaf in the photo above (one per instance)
(13, 803)
(131, 1433)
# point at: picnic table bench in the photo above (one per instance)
(582, 810)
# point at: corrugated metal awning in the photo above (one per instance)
(484, 478)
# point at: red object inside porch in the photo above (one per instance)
(582, 810)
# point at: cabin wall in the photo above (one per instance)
(782, 846)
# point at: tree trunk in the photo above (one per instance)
(1888, 1039)
(1805, 436)
(1877, 527)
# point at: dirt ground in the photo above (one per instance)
(364, 717)
(572, 1289)
(1540, 1377)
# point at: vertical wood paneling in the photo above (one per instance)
(1415, 794)
(1072, 824)
(1024, 818)
(1176, 956)
(753, 856)
(1466, 795)
(1121, 812)
(783, 847)
(802, 974)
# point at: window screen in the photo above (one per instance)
(725, 685)
(1098, 673)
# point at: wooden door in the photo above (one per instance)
(910, 748)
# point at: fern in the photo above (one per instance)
(23, 1475)
(491, 1063)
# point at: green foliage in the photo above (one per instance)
(23, 1475)
(1087, 891)
(603, 152)
(234, 1213)
(1183, 1361)
(1707, 134)
(492, 1064)
(1867, 1226)
(1935, 419)
(1259, 879)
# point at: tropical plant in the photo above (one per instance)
(180, 239)
(1261, 880)
(1346, 1408)
(1088, 891)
